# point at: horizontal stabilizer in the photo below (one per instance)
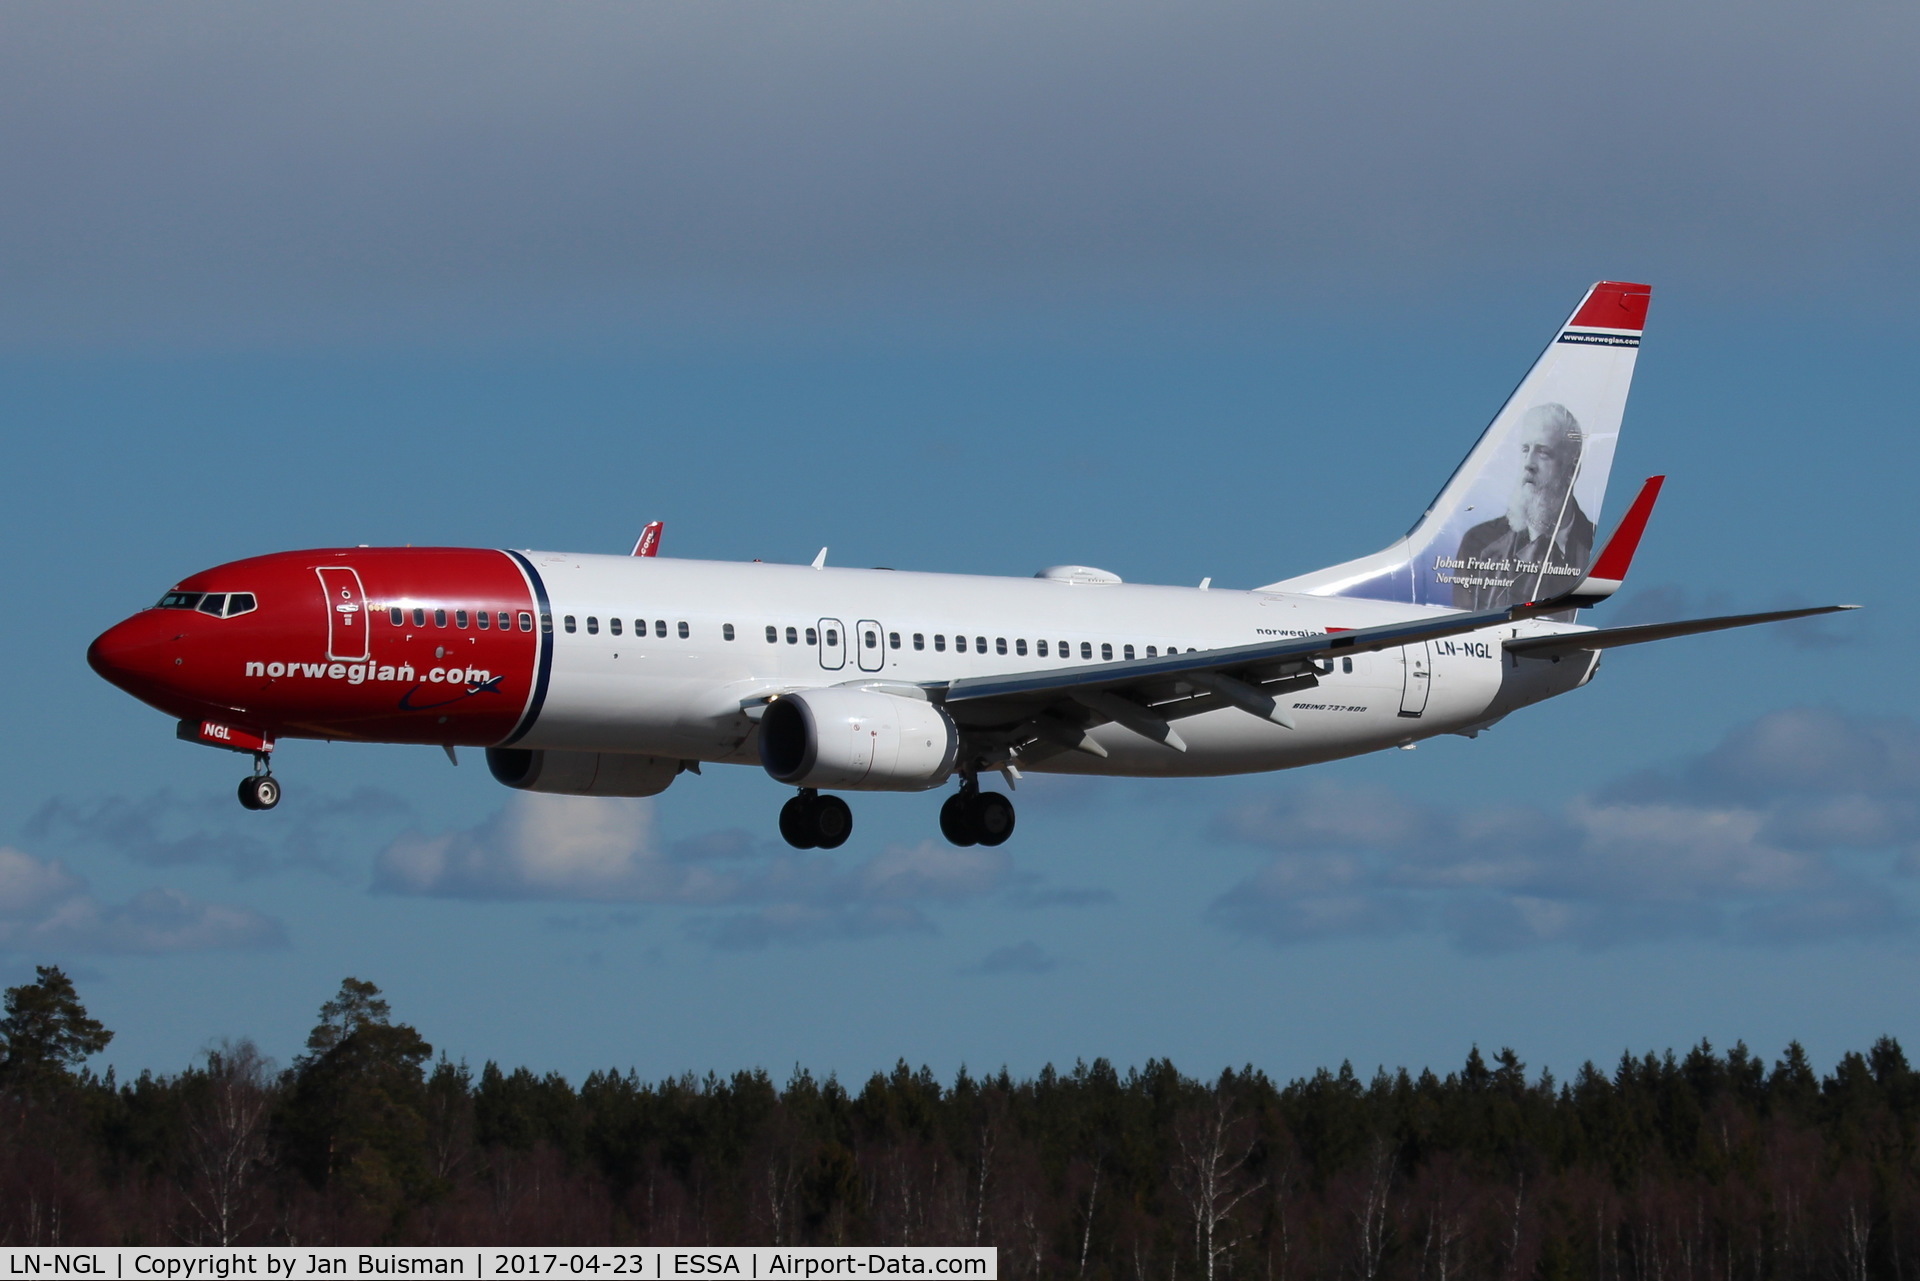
(1614, 637)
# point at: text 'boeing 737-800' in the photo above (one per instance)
(612, 675)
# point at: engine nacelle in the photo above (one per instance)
(582, 773)
(857, 740)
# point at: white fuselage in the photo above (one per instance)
(683, 697)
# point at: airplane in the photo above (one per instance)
(601, 675)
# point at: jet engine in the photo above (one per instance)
(582, 773)
(857, 740)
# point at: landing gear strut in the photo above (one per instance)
(974, 817)
(811, 821)
(260, 790)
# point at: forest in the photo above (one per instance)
(1673, 1166)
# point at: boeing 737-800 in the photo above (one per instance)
(612, 675)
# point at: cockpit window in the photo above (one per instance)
(218, 604)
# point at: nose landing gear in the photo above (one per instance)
(260, 790)
(974, 817)
(812, 821)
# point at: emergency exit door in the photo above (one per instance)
(833, 654)
(871, 645)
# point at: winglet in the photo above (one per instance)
(1610, 566)
(649, 544)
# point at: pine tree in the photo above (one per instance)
(47, 1032)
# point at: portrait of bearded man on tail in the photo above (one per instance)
(1544, 542)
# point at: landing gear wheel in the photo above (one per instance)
(832, 822)
(957, 820)
(811, 821)
(260, 791)
(992, 818)
(796, 823)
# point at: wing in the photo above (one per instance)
(1613, 637)
(1055, 709)
(1146, 695)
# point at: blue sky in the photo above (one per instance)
(1218, 291)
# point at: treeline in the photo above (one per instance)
(1702, 1165)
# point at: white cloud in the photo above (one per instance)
(1765, 838)
(565, 848)
(45, 906)
(551, 847)
(930, 870)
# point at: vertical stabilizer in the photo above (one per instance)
(1516, 521)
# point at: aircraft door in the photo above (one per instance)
(870, 645)
(833, 649)
(1419, 678)
(346, 614)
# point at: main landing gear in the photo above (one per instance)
(974, 817)
(811, 821)
(260, 790)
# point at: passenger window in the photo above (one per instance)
(999, 644)
(593, 625)
(1153, 651)
(1086, 649)
(1127, 652)
(683, 631)
(1040, 648)
(439, 618)
(919, 640)
(793, 636)
(1066, 649)
(504, 620)
(893, 640)
(214, 603)
(980, 643)
(726, 631)
(1106, 652)
(1346, 665)
(939, 642)
(419, 618)
(546, 624)
(1020, 647)
(813, 637)
(871, 640)
(526, 621)
(959, 644)
(660, 628)
(567, 622)
(397, 615)
(833, 636)
(484, 619)
(459, 618)
(773, 634)
(613, 627)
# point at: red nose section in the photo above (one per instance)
(145, 655)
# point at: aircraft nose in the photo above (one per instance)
(139, 653)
